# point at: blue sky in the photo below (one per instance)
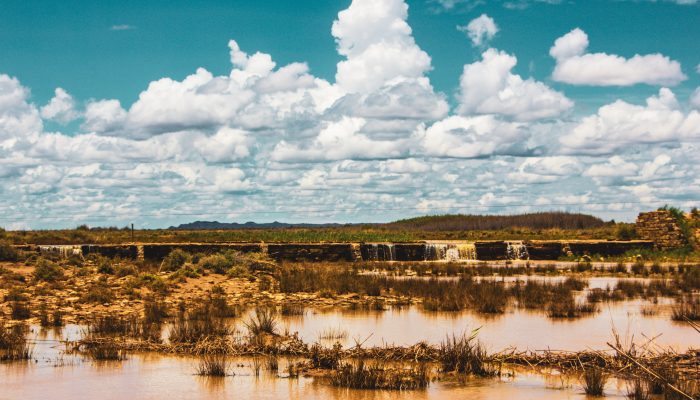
(348, 111)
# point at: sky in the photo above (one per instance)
(158, 113)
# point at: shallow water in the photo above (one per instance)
(150, 376)
(54, 375)
(521, 329)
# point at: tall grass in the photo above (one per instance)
(360, 375)
(593, 381)
(464, 355)
(263, 321)
(13, 343)
(216, 365)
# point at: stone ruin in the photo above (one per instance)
(662, 228)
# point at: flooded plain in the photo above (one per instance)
(54, 373)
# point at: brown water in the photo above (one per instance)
(147, 376)
(54, 375)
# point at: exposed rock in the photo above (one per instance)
(662, 228)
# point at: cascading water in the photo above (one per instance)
(435, 252)
(450, 252)
(517, 250)
(467, 251)
(64, 251)
(390, 252)
(381, 252)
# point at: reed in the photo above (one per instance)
(464, 355)
(378, 376)
(686, 308)
(263, 321)
(13, 343)
(325, 358)
(638, 390)
(216, 365)
(333, 334)
(593, 381)
(104, 350)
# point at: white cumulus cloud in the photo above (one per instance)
(489, 87)
(575, 66)
(61, 108)
(480, 30)
(621, 124)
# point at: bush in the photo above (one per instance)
(7, 252)
(98, 293)
(175, 260)
(125, 270)
(20, 310)
(105, 267)
(625, 231)
(47, 271)
(217, 263)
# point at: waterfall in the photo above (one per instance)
(517, 250)
(374, 252)
(391, 252)
(435, 252)
(450, 252)
(467, 251)
(382, 252)
(64, 251)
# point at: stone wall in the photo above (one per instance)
(662, 228)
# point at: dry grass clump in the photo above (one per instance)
(293, 310)
(593, 381)
(325, 358)
(333, 334)
(638, 390)
(686, 309)
(155, 310)
(464, 355)
(216, 365)
(13, 343)
(104, 349)
(263, 321)
(194, 328)
(19, 310)
(567, 307)
(378, 376)
(122, 327)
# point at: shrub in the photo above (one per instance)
(20, 310)
(216, 263)
(125, 270)
(154, 310)
(47, 271)
(98, 292)
(7, 252)
(175, 260)
(105, 267)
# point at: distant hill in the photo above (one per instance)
(540, 220)
(459, 222)
(215, 225)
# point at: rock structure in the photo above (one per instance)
(662, 228)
